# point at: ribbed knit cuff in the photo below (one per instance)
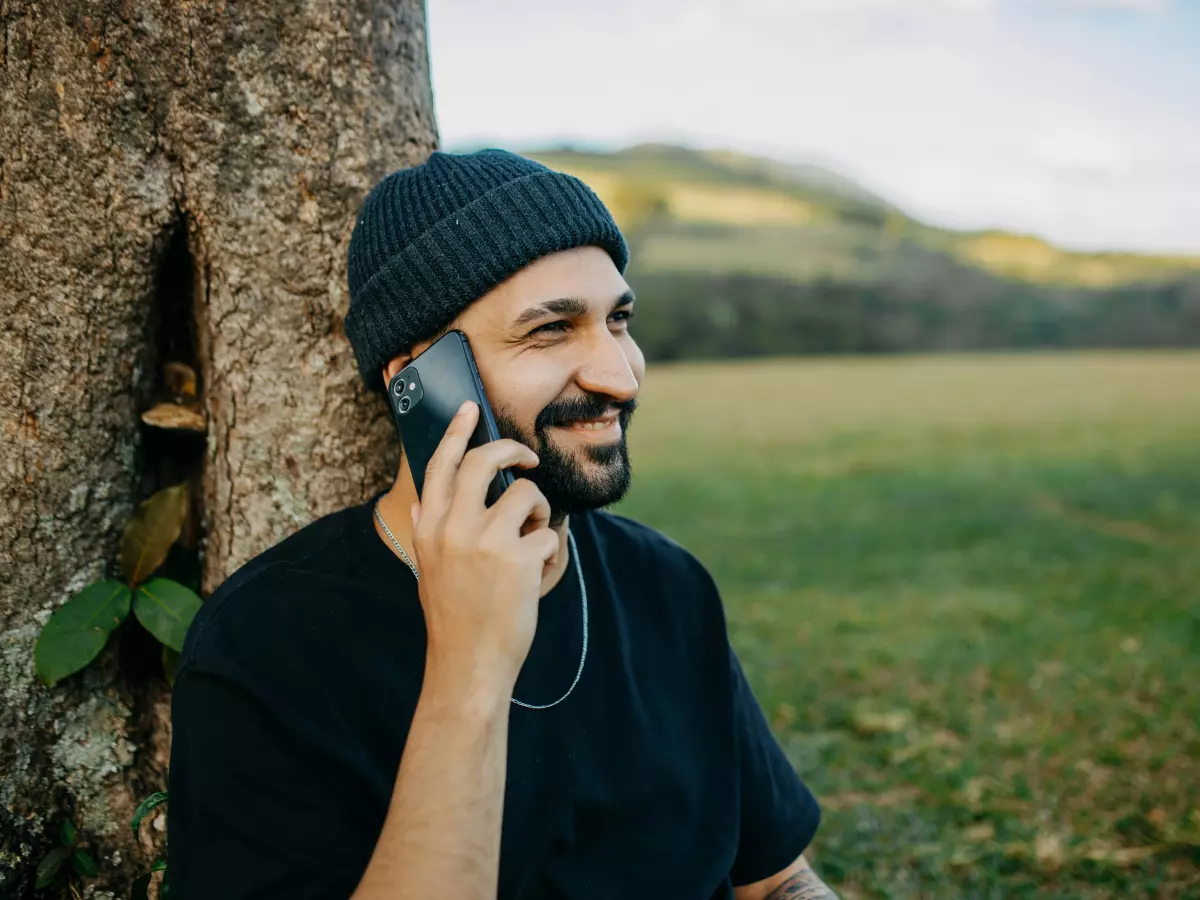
(435, 277)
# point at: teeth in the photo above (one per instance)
(593, 426)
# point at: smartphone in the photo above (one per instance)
(426, 394)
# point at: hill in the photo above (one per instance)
(805, 221)
(756, 256)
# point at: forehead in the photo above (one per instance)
(584, 272)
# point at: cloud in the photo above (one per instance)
(1081, 147)
(965, 119)
(1138, 6)
(926, 7)
(873, 6)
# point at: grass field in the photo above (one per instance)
(967, 592)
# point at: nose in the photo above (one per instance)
(606, 369)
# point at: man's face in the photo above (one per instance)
(562, 373)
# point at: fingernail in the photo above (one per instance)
(462, 409)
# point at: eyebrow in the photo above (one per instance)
(566, 306)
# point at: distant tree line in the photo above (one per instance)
(705, 316)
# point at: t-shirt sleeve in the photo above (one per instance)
(778, 813)
(251, 812)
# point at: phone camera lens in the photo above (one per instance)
(405, 403)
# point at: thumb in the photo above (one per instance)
(415, 512)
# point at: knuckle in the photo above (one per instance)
(481, 453)
(507, 447)
(491, 541)
(527, 495)
(490, 455)
(440, 458)
(525, 490)
(436, 536)
(449, 532)
(459, 542)
(496, 548)
(475, 454)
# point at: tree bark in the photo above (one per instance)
(178, 182)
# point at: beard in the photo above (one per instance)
(590, 476)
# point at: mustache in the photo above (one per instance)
(586, 406)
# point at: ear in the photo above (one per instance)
(394, 365)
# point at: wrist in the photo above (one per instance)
(468, 686)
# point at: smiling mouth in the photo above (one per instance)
(594, 426)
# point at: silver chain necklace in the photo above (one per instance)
(582, 592)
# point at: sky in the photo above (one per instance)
(1075, 120)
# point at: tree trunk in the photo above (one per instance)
(178, 182)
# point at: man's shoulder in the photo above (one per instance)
(265, 593)
(665, 587)
(640, 545)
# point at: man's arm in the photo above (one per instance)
(481, 573)
(797, 882)
(441, 837)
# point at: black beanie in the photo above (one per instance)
(432, 239)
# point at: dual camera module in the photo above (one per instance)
(406, 391)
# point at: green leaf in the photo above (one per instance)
(158, 866)
(48, 868)
(68, 833)
(82, 862)
(151, 531)
(166, 608)
(170, 659)
(79, 629)
(158, 798)
(141, 888)
(183, 565)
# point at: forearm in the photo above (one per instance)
(802, 885)
(441, 837)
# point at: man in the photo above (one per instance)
(442, 699)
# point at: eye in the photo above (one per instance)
(623, 315)
(551, 327)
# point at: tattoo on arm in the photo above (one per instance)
(804, 885)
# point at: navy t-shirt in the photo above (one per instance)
(657, 777)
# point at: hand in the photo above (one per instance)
(481, 569)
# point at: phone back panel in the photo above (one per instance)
(447, 377)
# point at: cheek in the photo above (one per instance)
(522, 395)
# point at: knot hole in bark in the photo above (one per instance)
(173, 420)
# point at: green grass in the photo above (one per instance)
(967, 592)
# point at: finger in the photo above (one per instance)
(543, 544)
(522, 508)
(414, 512)
(480, 466)
(535, 520)
(443, 465)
